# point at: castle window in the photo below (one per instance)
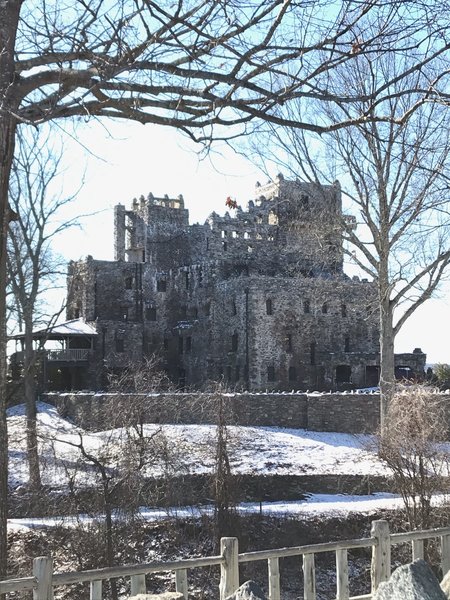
(246, 235)
(343, 374)
(166, 344)
(120, 344)
(128, 283)
(188, 344)
(304, 202)
(292, 374)
(180, 345)
(235, 234)
(269, 307)
(343, 310)
(143, 255)
(234, 342)
(324, 308)
(161, 285)
(224, 233)
(249, 249)
(271, 373)
(183, 311)
(186, 280)
(207, 243)
(195, 312)
(237, 373)
(77, 313)
(224, 246)
(347, 344)
(312, 353)
(306, 307)
(207, 309)
(289, 343)
(233, 308)
(150, 313)
(124, 313)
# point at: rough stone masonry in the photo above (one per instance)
(258, 299)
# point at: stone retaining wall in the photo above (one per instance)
(342, 412)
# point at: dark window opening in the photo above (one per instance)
(161, 285)
(234, 342)
(188, 344)
(77, 313)
(347, 344)
(271, 373)
(143, 255)
(233, 308)
(306, 307)
(224, 246)
(124, 313)
(343, 310)
(238, 373)
(128, 283)
(207, 309)
(289, 343)
(180, 345)
(120, 345)
(372, 375)
(324, 308)
(195, 312)
(183, 311)
(292, 374)
(166, 344)
(269, 307)
(304, 202)
(312, 353)
(343, 374)
(150, 313)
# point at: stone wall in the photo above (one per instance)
(341, 412)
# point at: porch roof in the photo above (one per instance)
(75, 327)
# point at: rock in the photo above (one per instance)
(163, 596)
(248, 591)
(415, 581)
(445, 585)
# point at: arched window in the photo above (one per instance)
(324, 308)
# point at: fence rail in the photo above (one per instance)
(44, 580)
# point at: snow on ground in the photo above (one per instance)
(253, 450)
(324, 505)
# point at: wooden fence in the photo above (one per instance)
(43, 580)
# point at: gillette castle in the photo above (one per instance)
(257, 298)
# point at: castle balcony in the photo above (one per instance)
(65, 355)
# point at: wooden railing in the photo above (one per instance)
(69, 354)
(44, 580)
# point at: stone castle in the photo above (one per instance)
(258, 299)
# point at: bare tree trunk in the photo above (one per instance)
(387, 364)
(9, 16)
(30, 405)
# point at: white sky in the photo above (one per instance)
(127, 160)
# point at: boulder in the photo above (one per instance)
(415, 581)
(445, 585)
(248, 591)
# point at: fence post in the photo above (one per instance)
(137, 584)
(229, 569)
(381, 553)
(43, 572)
(445, 554)
(181, 582)
(96, 590)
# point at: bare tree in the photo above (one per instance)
(32, 266)
(191, 64)
(412, 447)
(395, 184)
